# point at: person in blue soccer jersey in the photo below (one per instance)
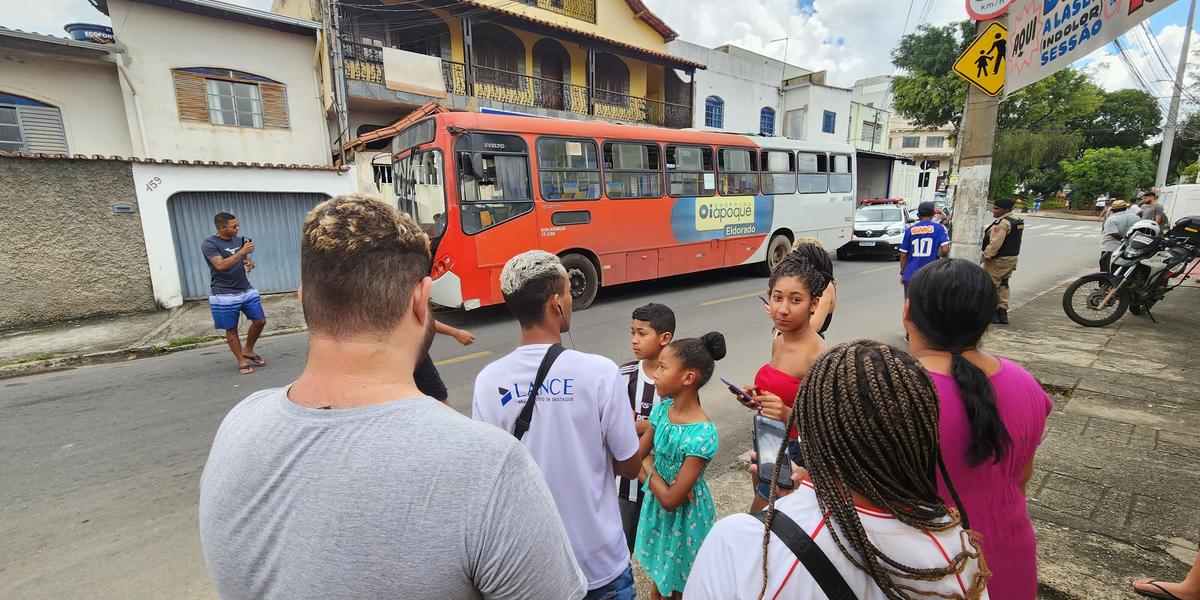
(923, 243)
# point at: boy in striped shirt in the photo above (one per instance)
(652, 329)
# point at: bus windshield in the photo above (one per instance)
(420, 190)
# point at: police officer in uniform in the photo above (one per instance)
(1001, 245)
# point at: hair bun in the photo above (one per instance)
(715, 343)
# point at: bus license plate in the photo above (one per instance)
(866, 244)
(1142, 238)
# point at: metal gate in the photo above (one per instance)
(272, 220)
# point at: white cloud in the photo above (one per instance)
(851, 38)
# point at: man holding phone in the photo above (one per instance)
(228, 258)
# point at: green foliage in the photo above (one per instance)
(1115, 171)
(1047, 180)
(1125, 119)
(933, 50)
(930, 101)
(1189, 172)
(1057, 103)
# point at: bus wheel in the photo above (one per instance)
(777, 250)
(585, 283)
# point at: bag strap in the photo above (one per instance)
(526, 417)
(818, 565)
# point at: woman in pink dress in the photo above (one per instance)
(992, 420)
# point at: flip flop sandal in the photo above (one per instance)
(256, 359)
(245, 369)
(1164, 595)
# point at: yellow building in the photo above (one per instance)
(561, 58)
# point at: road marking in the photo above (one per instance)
(1059, 227)
(881, 269)
(463, 358)
(731, 299)
(1029, 227)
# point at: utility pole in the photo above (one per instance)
(333, 37)
(975, 168)
(1164, 156)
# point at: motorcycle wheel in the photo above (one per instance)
(1083, 301)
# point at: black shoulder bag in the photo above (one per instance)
(526, 417)
(798, 541)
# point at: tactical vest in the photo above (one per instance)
(1012, 242)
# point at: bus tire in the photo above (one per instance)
(585, 281)
(777, 249)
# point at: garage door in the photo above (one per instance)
(272, 220)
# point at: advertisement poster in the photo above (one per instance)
(1046, 36)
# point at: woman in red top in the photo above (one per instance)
(795, 287)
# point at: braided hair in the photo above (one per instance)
(799, 265)
(867, 416)
(816, 254)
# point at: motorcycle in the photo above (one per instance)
(1140, 274)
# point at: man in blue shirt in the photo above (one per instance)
(228, 257)
(923, 243)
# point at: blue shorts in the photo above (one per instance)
(227, 309)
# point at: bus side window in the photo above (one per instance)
(498, 194)
(739, 173)
(690, 171)
(814, 172)
(632, 170)
(568, 169)
(778, 172)
(841, 179)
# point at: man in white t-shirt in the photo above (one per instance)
(581, 434)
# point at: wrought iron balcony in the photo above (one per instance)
(525, 90)
(580, 9)
(621, 107)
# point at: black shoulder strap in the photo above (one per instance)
(798, 541)
(526, 417)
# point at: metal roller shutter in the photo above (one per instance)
(272, 220)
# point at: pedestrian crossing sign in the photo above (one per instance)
(984, 61)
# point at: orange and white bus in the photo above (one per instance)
(618, 203)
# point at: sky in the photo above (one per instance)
(851, 39)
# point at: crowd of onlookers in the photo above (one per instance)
(907, 466)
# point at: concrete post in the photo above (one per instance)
(975, 170)
(1164, 155)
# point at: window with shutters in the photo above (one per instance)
(230, 98)
(28, 125)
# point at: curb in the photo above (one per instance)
(64, 363)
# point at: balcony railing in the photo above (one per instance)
(620, 107)
(525, 90)
(365, 63)
(579, 9)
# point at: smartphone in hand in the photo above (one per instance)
(740, 392)
(768, 437)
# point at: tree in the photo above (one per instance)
(1126, 119)
(930, 94)
(1116, 171)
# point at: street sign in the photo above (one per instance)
(985, 60)
(1048, 35)
(986, 10)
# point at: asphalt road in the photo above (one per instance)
(99, 466)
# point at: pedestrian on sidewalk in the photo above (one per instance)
(1101, 204)
(1153, 211)
(1037, 202)
(796, 290)
(429, 381)
(679, 511)
(869, 501)
(349, 483)
(923, 242)
(993, 416)
(1001, 246)
(229, 263)
(652, 328)
(1188, 589)
(1112, 232)
(579, 430)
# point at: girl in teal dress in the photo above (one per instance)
(678, 510)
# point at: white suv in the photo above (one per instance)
(878, 228)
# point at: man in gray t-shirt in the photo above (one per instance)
(349, 483)
(1113, 231)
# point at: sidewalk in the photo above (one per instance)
(1057, 213)
(130, 336)
(1115, 493)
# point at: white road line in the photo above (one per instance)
(1030, 227)
(1059, 227)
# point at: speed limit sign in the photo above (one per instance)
(982, 10)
